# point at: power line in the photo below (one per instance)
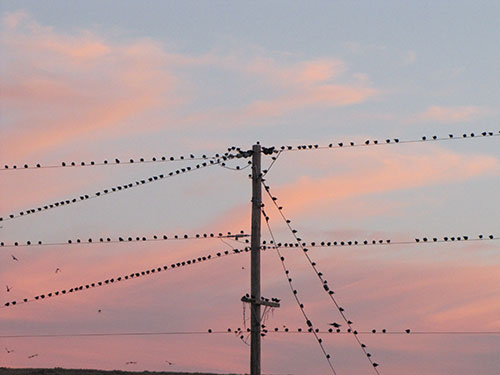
(110, 162)
(295, 294)
(388, 141)
(162, 159)
(236, 331)
(114, 189)
(133, 275)
(386, 242)
(324, 282)
(126, 239)
(274, 160)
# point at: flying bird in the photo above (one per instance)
(32, 356)
(8, 288)
(169, 363)
(14, 258)
(336, 325)
(8, 351)
(58, 270)
(131, 363)
(99, 311)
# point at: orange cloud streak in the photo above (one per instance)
(385, 171)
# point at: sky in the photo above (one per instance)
(92, 80)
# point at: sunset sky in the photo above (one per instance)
(86, 81)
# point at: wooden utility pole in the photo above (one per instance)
(255, 299)
(255, 262)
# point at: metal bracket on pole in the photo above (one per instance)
(262, 302)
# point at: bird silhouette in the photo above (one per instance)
(8, 288)
(131, 363)
(32, 356)
(336, 325)
(169, 363)
(8, 351)
(99, 311)
(14, 258)
(58, 270)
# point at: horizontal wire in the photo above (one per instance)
(116, 189)
(133, 275)
(163, 159)
(109, 240)
(116, 161)
(388, 141)
(237, 331)
(386, 242)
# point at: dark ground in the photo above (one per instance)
(60, 371)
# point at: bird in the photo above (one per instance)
(131, 363)
(32, 356)
(8, 288)
(169, 363)
(336, 325)
(58, 270)
(99, 311)
(14, 258)
(8, 351)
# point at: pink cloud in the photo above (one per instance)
(295, 87)
(321, 96)
(60, 87)
(378, 171)
(303, 73)
(452, 114)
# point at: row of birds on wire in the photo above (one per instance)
(131, 276)
(265, 243)
(324, 283)
(217, 159)
(419, 240)
(123, 239)
(162, 159)
(117, 188)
